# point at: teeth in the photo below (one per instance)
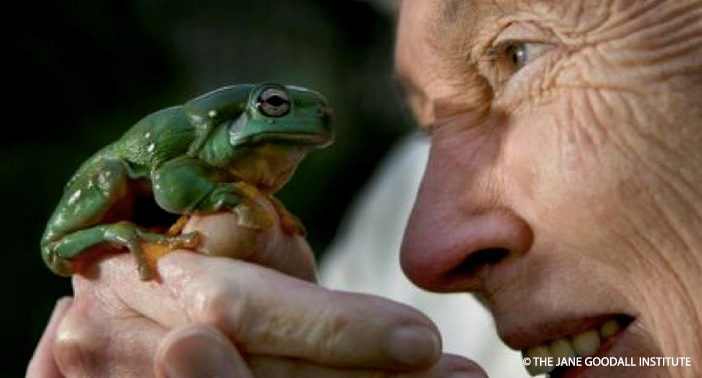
(561, 348)
(609, 328)
(584, 344)
(540, 351)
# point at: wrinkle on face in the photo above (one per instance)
(645, 43)
(596, 146)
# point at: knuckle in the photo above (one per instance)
(220, 306)
(334, 334)
(76, 347)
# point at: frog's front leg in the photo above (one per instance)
(187, 185)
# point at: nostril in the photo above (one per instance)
(450, 250)
(476, 262)
(324, 112)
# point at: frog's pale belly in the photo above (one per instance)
(270, 166)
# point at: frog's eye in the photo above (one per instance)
(273, 102)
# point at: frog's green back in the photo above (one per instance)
(159, 137)
(156, 138)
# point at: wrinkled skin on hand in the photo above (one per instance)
(563, 183)
(259, 314)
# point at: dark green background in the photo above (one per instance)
(77, 73)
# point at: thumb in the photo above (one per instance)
(42, 363)
(198, 350)
(224, 236)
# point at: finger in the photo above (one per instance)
(94, 340)
(117, 282)
(269, 313)
(198, 351)
(273, 314)
(223, 236)
(447, 367)
(43, 364)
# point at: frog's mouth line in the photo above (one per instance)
(298, 139)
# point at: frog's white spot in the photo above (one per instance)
(102, 180)
(212, 113)
(150, 147)
(147, 135)
(74, 198)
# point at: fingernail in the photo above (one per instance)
(413, 345)
(196, 356)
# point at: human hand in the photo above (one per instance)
(42, 363)
(215, 316)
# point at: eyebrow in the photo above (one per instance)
(452, 8)
(455, 24)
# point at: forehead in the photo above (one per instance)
(436, 34)
(426, 29)
(414, 24)
(414, 30)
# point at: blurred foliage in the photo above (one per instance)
(78, 73)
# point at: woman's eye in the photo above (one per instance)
(516, 54)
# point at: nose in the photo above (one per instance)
(461, 227)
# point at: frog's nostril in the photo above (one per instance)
(324, 112)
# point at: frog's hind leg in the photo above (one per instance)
(94, 211)
(155, 249)
(91, 195)
(120, 234)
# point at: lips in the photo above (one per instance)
(557, 304)
(593, 341)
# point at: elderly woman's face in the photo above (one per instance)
(565, 176)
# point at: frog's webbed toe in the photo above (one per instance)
(157, 246)
(289, 223)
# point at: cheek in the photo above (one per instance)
(563, 175)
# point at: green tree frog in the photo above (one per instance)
(220, 151)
